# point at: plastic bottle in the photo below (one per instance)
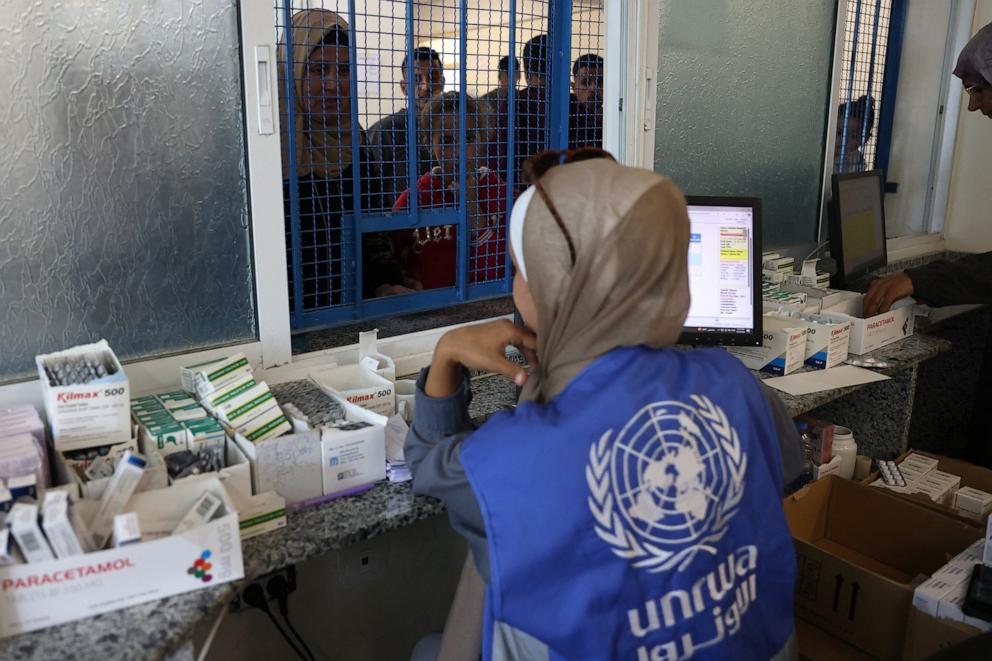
(808, 450)
(847, 449)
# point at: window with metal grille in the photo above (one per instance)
(869, 72)
(403, 136)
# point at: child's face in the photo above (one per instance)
(444, 147)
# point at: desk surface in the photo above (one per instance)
(157, 629)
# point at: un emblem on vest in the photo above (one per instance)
(665, 487)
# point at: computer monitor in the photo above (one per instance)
(857, 226)
(724, 272)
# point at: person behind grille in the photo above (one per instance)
(428, 254)
(388, 136)
(585, 123)
(318, 128)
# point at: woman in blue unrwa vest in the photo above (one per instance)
(630, 506)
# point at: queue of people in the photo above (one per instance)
(322, 139)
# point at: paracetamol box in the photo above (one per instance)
(359, 385)
(251, 403)
(88, 414)
(43, 594)
(783, 348)
(218, 375)
(874, 332)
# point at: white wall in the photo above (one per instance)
(918, 98)
(968, 225)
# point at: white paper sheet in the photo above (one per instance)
(819, 380)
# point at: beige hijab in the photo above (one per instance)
(629, 285)
(326, 151)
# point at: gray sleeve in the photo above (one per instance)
(788, 437)
(432, 451)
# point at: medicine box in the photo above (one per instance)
(289, 464)
(874, 332)
(783, 348)
(44, 594)
(155, 475)
(236, 474)
(359, 385)
(83, 415)
(973, 502)
(827, 339)
(353, 454)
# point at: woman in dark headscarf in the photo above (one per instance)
(320, 125)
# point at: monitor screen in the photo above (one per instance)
(857, 225)
(724, 271)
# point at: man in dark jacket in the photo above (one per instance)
(388, 136)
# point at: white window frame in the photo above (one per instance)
(627, 26)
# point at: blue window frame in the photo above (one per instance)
(869, 76)
(398, 202)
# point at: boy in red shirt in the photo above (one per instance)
(428, 254)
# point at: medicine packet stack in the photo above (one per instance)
(22, 445)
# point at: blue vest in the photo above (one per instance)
(638, 515)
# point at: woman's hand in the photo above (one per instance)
(882, 293)
(482, 347)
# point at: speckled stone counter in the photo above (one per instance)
(161, 629)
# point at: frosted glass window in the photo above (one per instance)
(743, 90)
(122, 179)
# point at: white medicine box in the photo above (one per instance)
(43, 594)
(84, 415)
(353, 453)
(782, 351)
(874, 332)
(359, 385)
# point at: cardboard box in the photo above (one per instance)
(782, 351)
(859, 551)
(874, 332)
(815, 644)
(155, 475)
(88, 414)
(359, 385)
(235, 476)
(44, 594)
(289, 464)
(926, 635)
(368, 348)
(353, 457)
(972, 476)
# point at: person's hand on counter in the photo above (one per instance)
(882, 293)
(483, 347)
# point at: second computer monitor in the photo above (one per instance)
(724, 271)
(857, 226)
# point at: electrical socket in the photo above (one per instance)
(289, 573)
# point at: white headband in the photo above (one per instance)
(517, 216)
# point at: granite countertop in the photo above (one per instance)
(159, 628)
(903, 355)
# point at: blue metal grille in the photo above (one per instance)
(867, 86)
(403, 138)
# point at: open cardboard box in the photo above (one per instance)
(42, 594)
(860, 551)
(971, 475)
(926, 635)
(874, 332)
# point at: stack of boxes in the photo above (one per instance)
(922, 476)
(228, 389)
(176, 422)
(943, 594)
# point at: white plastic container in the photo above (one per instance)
(846, 448)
